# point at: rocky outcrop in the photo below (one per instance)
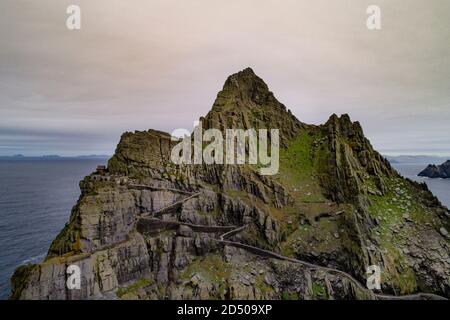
(146, 228)
(433, 171)
(101, 271)
(245, 102)
(351, 162)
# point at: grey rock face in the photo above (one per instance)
(101, 272)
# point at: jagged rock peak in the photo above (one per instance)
(247, 83)
(344, 125)
(247, 88)
(246, 102)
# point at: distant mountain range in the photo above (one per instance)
(416, 159)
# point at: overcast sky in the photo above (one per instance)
(144, 64)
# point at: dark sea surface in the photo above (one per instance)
(36, 197)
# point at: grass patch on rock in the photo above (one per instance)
(121, 292)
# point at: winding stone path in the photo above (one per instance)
(152, 224)
(270, 254)
(173, 205)
(153, 188)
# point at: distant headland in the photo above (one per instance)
(434, 171)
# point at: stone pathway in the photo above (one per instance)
(271, 254)
(175, 204)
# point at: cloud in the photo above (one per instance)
(159, 64)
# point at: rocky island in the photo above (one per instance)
(434, 171)
(144, 228)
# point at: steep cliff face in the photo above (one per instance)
(150, 229)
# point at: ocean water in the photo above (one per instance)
(36, 197)
(439, 187)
